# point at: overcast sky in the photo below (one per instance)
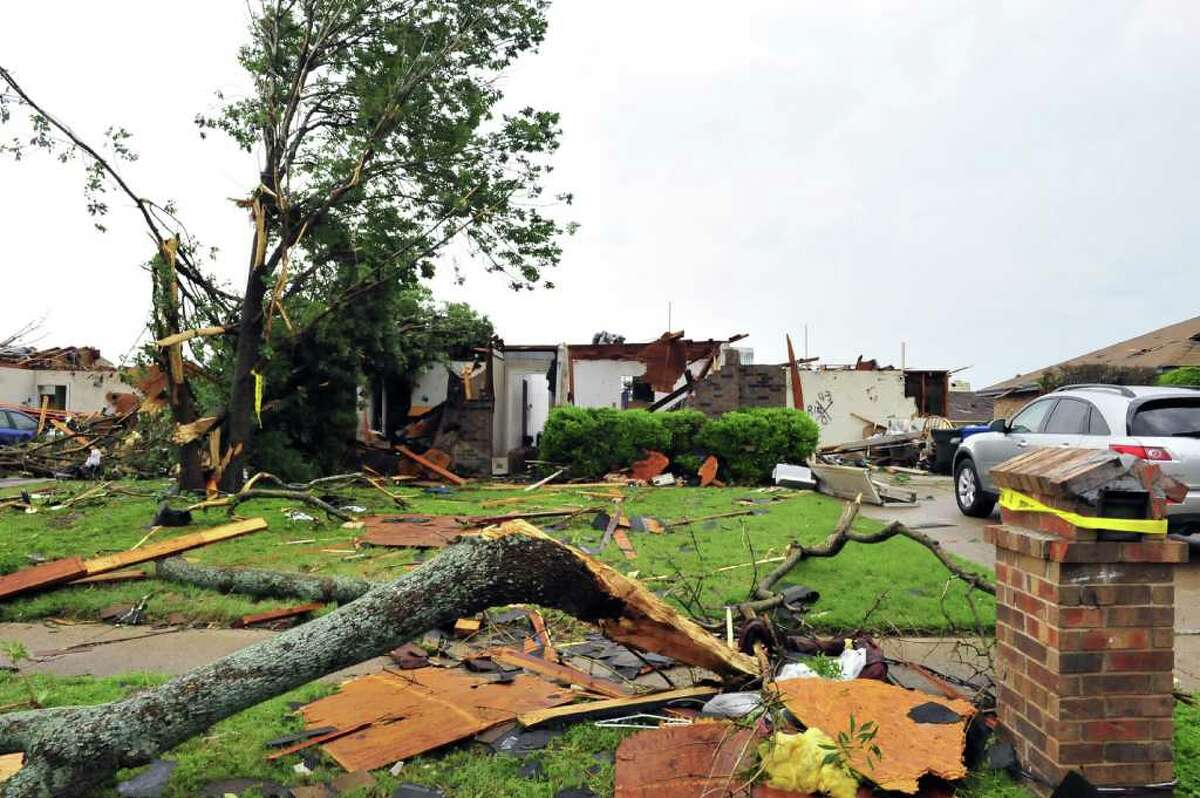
(998, 184)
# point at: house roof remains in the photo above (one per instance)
(60, 358)
(1167, 347)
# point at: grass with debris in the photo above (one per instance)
(700, 566)
(235, 748)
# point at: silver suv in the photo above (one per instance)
(1161, 425)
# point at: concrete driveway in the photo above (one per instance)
(938, 513)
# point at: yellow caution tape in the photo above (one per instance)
(1019, 502)
(258, 394)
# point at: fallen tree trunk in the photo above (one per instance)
(70, 750)
(264, 584)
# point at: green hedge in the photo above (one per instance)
(594, 441)
(1187, 377)
(749, 443)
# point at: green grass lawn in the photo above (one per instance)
(234, 749)
(682, 563)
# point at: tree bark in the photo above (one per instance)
(264, 584)
(241, 417)
(71, 750)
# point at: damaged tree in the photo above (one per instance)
(70, 750)
(379, 145)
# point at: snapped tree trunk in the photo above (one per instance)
(71, 750)
(241, 417)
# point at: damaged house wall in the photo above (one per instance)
(83, 391)
(845, 402)
(735, 385)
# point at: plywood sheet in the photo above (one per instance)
(910, 749)
(649, 467)
(412, 531)
(704, 759)
(420, 710)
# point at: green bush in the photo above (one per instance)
(750, 442)
(594, 441)
(683, 427)
(1186, 377)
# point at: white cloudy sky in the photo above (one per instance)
(999, 184)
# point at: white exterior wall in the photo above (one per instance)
(509, 379)
(832, 397)
(598, 382)
(86, 390)
(430, 387)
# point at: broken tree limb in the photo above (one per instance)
(187, 335)
(766, 598)
(71, 750)
(231, 502)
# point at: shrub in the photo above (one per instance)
(683, 427)
(1187, 377)
(594, 441)
(750, 442)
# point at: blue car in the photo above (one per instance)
(16, 427)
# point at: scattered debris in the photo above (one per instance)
(430, 466)
(617, 707)
(273, 616)
(708, 471)
(413, 531)
(650, 467)
(793, 476)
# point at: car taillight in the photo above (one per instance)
(1152, 453)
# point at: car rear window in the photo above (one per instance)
(1167, 418)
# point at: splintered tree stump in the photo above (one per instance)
(71, 750)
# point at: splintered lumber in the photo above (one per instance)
(794, 373)
(166, 548)
(613, 707)
(277, 615)
(542, 635)
(114, 576)
(649, 467)
(911, 748)
(845, 482)
(708, 471)
(876, 442)
(428, 465)
(51, 573)
(187, 335)
(557, 672)
(421, 710)
(186, 433)
(703, 759)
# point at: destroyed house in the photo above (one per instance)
(485, 414)
(73, 379)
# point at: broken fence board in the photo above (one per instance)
(165, 548)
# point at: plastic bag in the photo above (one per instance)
(796, 762)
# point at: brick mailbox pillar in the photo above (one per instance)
(1085, 624)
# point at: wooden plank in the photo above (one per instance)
(557, 672)
(114, 576)
(612, 707)
(51, 573)
(625, 544)
(279, 614)
(542, 635)
(547, 480)
(449, 476)
(165, 548)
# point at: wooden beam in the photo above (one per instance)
(428, 465)
(188, 335)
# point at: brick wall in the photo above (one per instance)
(735, 386)
(466, 434)
(1085, 653)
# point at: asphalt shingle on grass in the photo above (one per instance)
(684, 556)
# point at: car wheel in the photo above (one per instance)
(968, 491)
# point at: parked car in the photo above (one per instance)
(1161, 425)
(16, 426)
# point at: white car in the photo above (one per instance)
(1161, 425)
